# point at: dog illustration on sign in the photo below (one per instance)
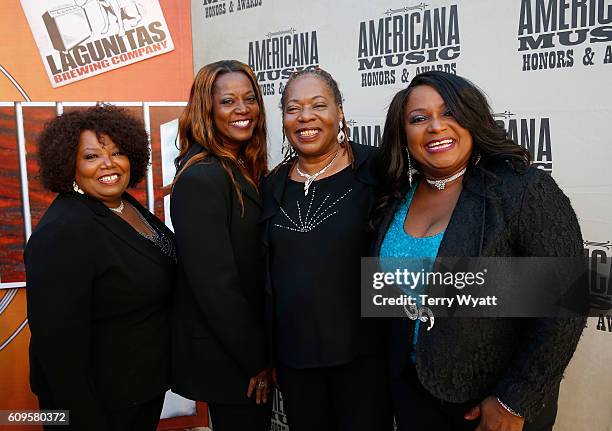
(123, 11)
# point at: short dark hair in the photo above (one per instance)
(58, 143)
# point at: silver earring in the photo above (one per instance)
(285, 145)
(76, 188)
(341, 134)
(409, 167)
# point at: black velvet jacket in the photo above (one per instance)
(519, 360)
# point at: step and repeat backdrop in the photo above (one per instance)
(546, 66)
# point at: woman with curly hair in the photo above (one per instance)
(100, 270)
(220, 352)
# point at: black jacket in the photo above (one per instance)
(98, 307)
(499, 213)
(219, 340)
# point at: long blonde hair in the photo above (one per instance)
(196, 125)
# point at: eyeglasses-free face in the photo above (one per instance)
(436, 141)
(102, 170)
(311, 117)
(235, 109)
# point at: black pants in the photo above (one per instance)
(351, 397)
(141, 417)
(241, 417)
(417, 410)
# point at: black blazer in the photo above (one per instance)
(98, 297)
(219, 340)
(499, 213)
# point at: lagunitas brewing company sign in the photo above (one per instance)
(406, 41)
(557, 34)
(84, 38)
(531, 133)
(278, 54)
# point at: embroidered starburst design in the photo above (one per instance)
(313, 217)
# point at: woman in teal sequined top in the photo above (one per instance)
(454, 185)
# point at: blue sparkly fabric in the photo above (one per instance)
(398, 243)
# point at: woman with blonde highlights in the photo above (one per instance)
(219, 341)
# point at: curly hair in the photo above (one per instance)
(58, 143)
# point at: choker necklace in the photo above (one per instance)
(441, 184)
(310, 178)
(119, 209)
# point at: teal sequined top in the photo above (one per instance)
(398, 243)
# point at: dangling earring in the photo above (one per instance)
(76, 188)
(475, 157)
(285, 146)
(341, 134)
(409, 167)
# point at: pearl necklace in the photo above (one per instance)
(310, 178)
(119, 209)
(441, 184)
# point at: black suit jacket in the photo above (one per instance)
(219, 340)
(499, 213)
(98, 298)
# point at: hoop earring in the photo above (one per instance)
(76, 188)
(341, 134)
(409, 167)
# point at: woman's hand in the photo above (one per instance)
(494, 417)
(261, 385)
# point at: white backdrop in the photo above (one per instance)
(544, 64)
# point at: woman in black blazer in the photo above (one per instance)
(100, 270)
(451, 178)
(220, 352)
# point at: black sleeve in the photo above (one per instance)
(60, 277)
(200, 210)
(547, 227)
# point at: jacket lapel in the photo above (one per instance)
(273, 190)
(123, 231)
(464, 233)
(247, 188)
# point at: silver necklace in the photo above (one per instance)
(441, 184)
(310, 178)
(119, 209)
